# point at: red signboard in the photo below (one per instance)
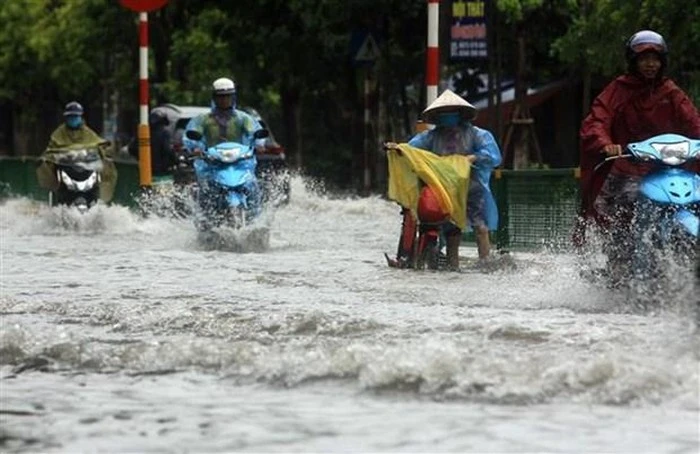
(143, 6)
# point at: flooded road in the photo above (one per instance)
(122, 334)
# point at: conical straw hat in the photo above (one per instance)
(448, 101)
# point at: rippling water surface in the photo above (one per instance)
(123, 334)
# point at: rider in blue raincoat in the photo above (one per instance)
(454, 134)
(224, 123)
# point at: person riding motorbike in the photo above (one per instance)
(633, 107)
(224, 123)
(162, 155)
(455, 134)
(74, 131)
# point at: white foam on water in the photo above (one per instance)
(534, 352)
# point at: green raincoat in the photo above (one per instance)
(64, 137)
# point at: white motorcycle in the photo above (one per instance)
(78, 173)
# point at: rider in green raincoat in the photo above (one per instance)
(73, 132)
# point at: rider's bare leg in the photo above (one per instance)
(483, 242)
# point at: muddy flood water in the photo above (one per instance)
(120, 333)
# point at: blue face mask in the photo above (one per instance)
(448, 119)
(74, 121)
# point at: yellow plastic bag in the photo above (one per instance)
(447, 175)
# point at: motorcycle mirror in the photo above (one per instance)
(193, 135)
(261, 134)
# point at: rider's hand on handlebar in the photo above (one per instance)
(390, 145)
(612, 150)
(472, 158)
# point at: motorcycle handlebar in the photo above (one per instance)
(391, 146)
(612, 158)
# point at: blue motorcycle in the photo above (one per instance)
(227, 192)
(666, 226)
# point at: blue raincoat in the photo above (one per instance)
(467, 139)
(229, 126)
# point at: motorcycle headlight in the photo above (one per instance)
(76, 185)
(228, 155)
(673, 153)
(87, 184)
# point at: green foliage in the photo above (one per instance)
(56, 47)
(17, 57)
(291, 57)
(201, 48)
(516, 10)
(598, 33)
(56, 39)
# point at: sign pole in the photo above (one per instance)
(365, 52)
(432, 69)
(432, 59)
(144, 134)
(368, 131)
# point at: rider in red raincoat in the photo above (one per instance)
(633, 107)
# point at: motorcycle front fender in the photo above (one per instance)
(671, 187)
(233, 177)
(236, 199)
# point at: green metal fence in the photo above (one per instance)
(537, 207)
(18, 178)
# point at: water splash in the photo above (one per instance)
(320, 304)
(670, 287)
(251, 238)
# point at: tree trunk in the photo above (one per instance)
(380, 176)
(405, 111)
(586, 99)
(499, 76)
(291, 110)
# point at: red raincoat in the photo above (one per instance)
(630, 109)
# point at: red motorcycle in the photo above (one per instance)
(424, 214)
(419, 243)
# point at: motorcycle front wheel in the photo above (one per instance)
(428, 251)
(235, 217)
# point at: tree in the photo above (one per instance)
(595, 41)
(57, 51)
(291, 60)
(528, 38)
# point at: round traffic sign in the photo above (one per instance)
(143, 6)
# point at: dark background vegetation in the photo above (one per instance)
(291, 60)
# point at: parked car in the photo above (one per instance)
(272, 168)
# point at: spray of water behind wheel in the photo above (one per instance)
(250, 238)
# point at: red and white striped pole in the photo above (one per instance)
(144, 134)
(432, 61)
